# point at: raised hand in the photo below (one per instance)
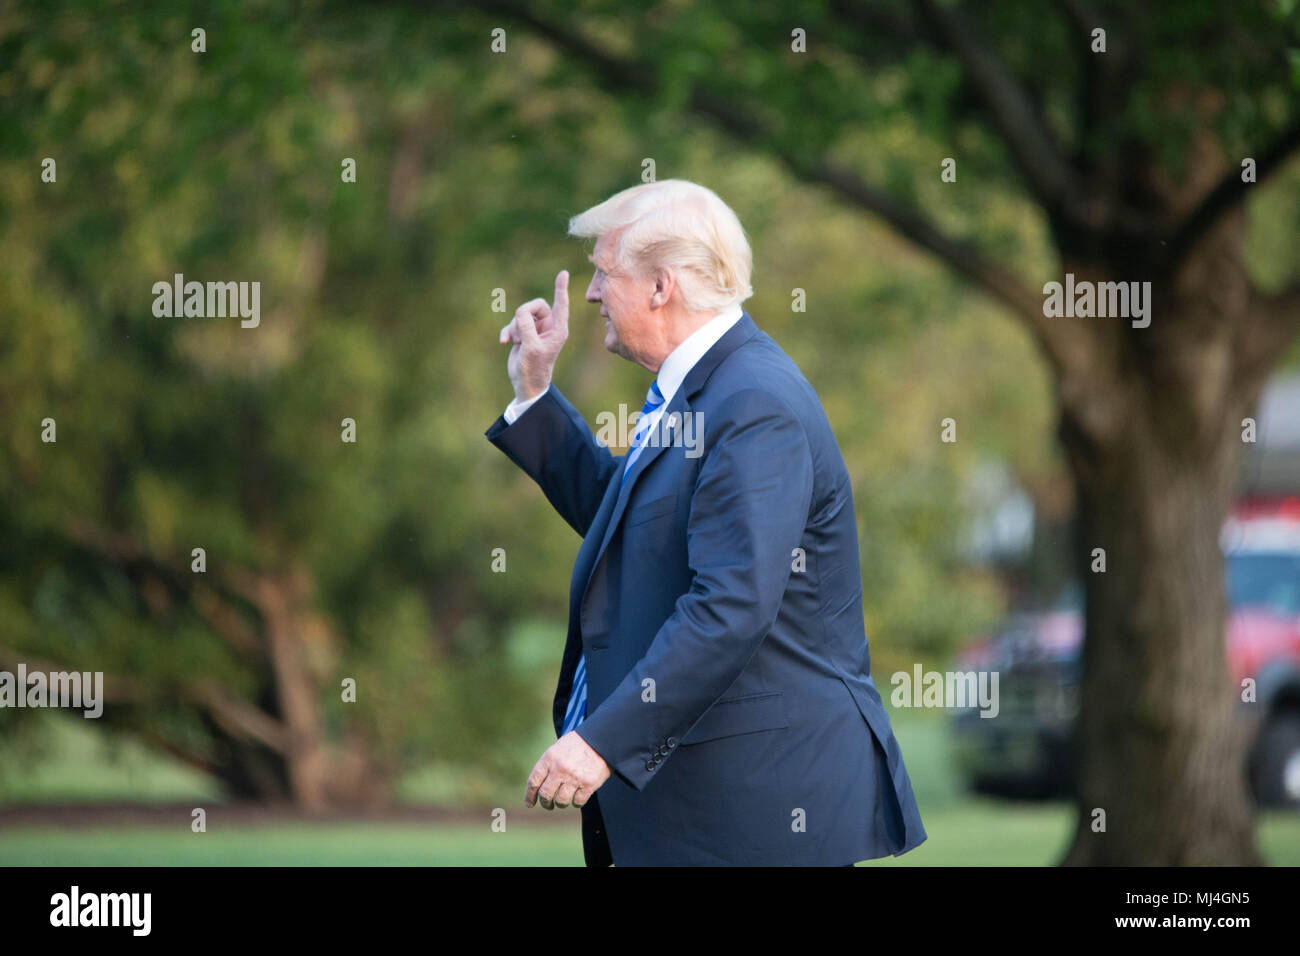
(538, 332)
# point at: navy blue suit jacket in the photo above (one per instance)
(718, 599)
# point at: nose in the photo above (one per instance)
(593, 292)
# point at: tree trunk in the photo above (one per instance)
(1152, 431)
(1162, 746)
(322, 774)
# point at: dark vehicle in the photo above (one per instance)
(1028, 749)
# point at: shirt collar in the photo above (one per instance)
(683, 358)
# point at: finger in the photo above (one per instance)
(561, 309)
(538, 308)
(507, 332)
(527, 328)
(535, 781)
(546, 793)
(564, 796)
(580, 797)
(540, 312)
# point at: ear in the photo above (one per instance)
(664, 284)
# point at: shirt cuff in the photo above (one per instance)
(517, 408)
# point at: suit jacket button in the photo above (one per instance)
(672, 742)
(650, 765)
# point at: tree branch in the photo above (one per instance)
(241, 719)
(215, 607)
(115, 689)
(920, 231)
(746, 125)
(235, 716)
(168, 746)
(227, 622)
(1274, 326)
(1230, 191)
(1102, 84)
(1010, 110)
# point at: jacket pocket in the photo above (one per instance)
(739, 715)
(651, 510)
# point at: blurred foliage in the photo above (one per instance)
(376, 305)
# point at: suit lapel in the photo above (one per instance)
(736, 336)
(593, 543)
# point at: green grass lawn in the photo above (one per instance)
(293, 844)
(981, 833)
(963, 830)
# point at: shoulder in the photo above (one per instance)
(758, 396)
(758, 376)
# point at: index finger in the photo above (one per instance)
(562, 296)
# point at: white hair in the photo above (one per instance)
(682, 226)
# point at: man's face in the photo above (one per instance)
(625, 304)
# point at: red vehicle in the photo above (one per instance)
(1028, 749)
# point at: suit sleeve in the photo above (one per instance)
(555, 447)
(748, 512)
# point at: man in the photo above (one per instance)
(714, 705)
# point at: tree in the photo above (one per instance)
(1129, 128)
(323, 560)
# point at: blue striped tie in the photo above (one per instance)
(576, 712)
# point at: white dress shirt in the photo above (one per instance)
(674, 369)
